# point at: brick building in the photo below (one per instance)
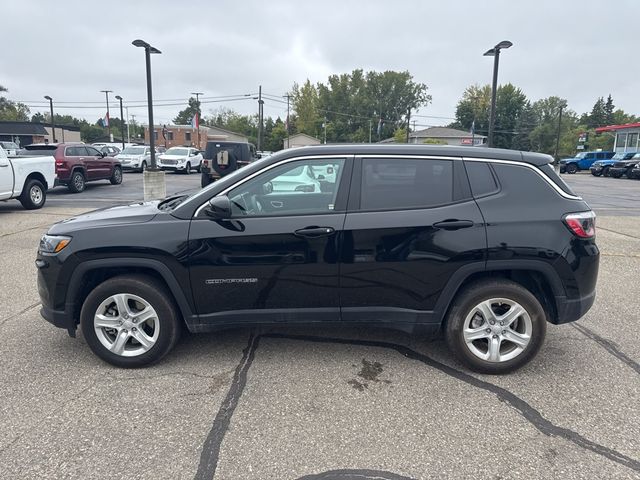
(186, 135)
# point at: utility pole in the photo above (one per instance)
(288, 128)
(408, 121)
(121, 120)
(128, 132)
(133, 122)
(260, 103)
(197, 94)
(106, 94)
(555, 162)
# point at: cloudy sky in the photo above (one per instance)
(70, 50)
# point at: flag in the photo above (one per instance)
(195, 122)
(105, 120)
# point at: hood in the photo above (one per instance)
(127, 156)
(125, 214)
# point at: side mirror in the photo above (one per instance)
(102, 155)
(219, 208)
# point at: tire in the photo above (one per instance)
(205, 179)
(596, 174)
(161, 329)
(116, 176)
(77, 182)
(616, 174)
(143, 166)
(605, 172)
(465, 314)
(572, 168)
(34, 195)
(187, 168)
(231, 167)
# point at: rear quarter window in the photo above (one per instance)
(528, 185)
(481, 179)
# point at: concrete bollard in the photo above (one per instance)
(155, 187)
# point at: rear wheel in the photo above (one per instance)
(116, 177)
(572, 168)
(77, 182)
(605, 172)
(129, 321)
(495, 326)
(33, 195)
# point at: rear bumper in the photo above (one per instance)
(574, 309)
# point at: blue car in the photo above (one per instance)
(601, 167)
(583, 161)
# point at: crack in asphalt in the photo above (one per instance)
(211, 448)
(618, 233)
(355, 475)
(608, 345)
(25, 310)
(46, 225)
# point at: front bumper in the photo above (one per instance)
(596, 168)
(172, 168)
(617, 171)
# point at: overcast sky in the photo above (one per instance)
(70, 50)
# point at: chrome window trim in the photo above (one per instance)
(266, 169)
(527, 165)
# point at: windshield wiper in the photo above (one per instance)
(171, 202)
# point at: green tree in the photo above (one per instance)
(473, 109)
(12, 111)
(400, 135)
(609, 108)
(184, 116)
(598, 116)
(305, 106)
(510, 105)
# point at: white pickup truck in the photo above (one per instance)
(26, 178)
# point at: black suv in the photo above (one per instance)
(488, 245)
(222, 158)
(624, 167)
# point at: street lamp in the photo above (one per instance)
(495, 53)
(53, 124)
(148, 50)
(154, 185)
(118, 97)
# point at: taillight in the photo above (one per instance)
(582, 224)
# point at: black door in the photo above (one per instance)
(277, 258)
(411, 224)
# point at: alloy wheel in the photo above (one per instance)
(36, 195)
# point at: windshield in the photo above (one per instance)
(618, 156)
(177, 151)
(581, 155)
(294, 173)
(133, 151)
(636, 156)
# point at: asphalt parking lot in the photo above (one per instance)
(324, 403)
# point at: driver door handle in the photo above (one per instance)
(453, 224)
(314, 232)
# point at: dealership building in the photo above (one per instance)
(626, 136)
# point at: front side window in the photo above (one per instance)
(398, 183)
(304, 187)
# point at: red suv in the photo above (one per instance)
(77, 164)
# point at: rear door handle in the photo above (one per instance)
(314, 232)
(453, 224)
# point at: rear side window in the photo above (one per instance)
(397, 183)
(72, 152)
(481, 179)
(555, 178)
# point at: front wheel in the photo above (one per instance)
(495, 326)
(187, 168)
(143, 166)
(130, 321)
(116, 177)
(596, 174)
(572, 168)
(605, 172)
(33, 195)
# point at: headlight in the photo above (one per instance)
(50, 244)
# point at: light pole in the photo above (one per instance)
(118, 97)
(495, 53)
(197, 94)
(53, 124)
(154, 186)
(106, 94)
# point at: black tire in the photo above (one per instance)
(116, 176)
(596, 174)
(205, 179)
(77, 182)
(231, 167)
(34, 195)
(616, 174)
(572, 168)
(187, 168)
(151, 291)
(143, 166)
(605, 172)
(464, 305)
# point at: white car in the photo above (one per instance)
(26, 179)
(300, 179)
(137, 157)
(180, 159)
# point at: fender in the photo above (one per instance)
(155, 265)
(464, 272)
